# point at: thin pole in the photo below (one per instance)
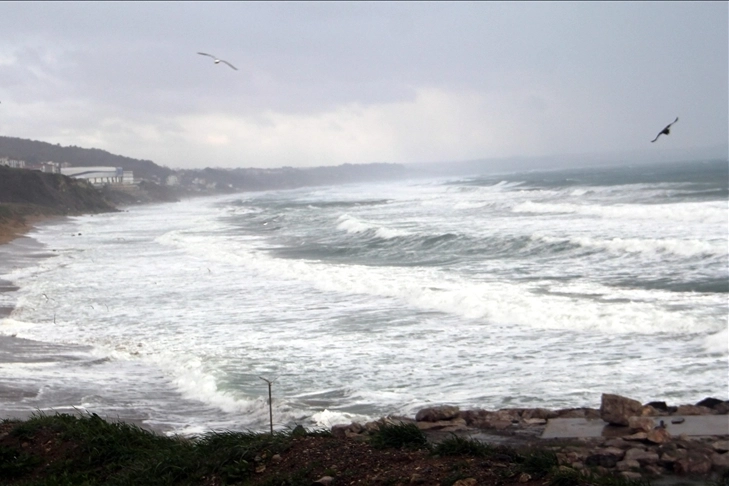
(270, 403)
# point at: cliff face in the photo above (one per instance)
(33, 192)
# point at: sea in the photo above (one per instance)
(541, 288)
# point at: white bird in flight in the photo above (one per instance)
(218, 61)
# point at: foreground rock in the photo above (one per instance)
(638, 445)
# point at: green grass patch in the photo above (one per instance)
(538, 463)
(122, 454)
(459, 446)
(399, 436)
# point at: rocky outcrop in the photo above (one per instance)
(617, 410)
(646, 449)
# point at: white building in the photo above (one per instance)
(16, 164)
(96, 175)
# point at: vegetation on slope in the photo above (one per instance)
(87, 450)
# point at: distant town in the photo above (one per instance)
(102, 169)
(97, 176)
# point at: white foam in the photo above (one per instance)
(718, 342)
(354, 225)
(327, 418)
(197, 311)
(13, 327)
(691, 212)
(684, 248)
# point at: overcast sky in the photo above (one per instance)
(327, 83)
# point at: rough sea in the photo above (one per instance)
(533, 289)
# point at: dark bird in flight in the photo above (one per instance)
(665, 131)
(218, 61)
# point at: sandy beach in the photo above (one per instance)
(9, 230)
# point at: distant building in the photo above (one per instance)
(128, 177)
(51, 167)
(98, 176)
(16, 164)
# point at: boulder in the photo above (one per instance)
(617, 410)
(720, 446)
(437, 414)
(662, 406)
(641, 455)
(709, 402)
(608, 457)
(658, 436)
(641, 424)
(340, 431)
(455, 424)
(538, 413)
(693, 410)
(693, 463)
(629, 465)
(720, 461)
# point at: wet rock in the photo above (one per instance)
(538, 413)
(720, 446)
(588, 413)
(641, 424)
(720, 461)
(617, 410)
(662, 406)
(455, 424)
(710, 402)
(340, 431)
(693, 463)
(605, 457)
(617, 442)
(638, 436)
(628, 465)
(693, 410)
(654, 470)
(436, 414)
(658, 436)
(641, 455)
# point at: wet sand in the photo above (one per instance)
(10, 230)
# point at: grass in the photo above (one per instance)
(459, 446)
(399, 436)
(86, 450)
(124, 454)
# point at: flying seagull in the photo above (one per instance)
(665, 131)
(218, 61)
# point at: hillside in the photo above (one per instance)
(29, 195)
(207, 180)
(33, 152)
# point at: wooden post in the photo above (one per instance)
(270, 403)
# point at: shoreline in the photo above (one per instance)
(14, 228)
